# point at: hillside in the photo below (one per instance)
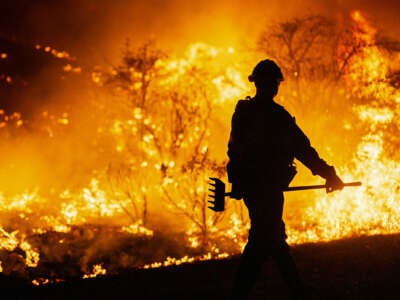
(359, 268)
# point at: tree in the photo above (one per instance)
(300, 46)
(132, 127)
(314, 53)
(310, 49)
(135, 72)
(164, 132)
(185, 183)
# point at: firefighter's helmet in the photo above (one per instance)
(266, 69)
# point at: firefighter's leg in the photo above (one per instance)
(248, 271)
(256, 252)
(265, 212)
(289, 271)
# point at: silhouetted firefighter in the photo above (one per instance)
(263, 144)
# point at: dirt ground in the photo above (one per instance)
(359, 268)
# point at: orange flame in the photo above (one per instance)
(186, 130)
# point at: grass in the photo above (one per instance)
(357, 268)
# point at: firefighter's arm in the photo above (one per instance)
(333, 182)
(307, 155)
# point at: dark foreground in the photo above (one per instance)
(361, 268)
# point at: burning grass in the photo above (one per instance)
(113, 175)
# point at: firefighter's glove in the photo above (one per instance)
(237, 191)
(333, 182)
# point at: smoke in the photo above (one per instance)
(95, 30)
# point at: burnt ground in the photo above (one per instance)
(359, 268)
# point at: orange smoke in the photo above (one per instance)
(105, 177)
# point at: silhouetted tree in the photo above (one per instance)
(163, 132)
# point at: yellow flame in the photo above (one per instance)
(97, 270)
(370, 209)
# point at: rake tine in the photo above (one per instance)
(215, 209)
(217, 193)
(213, 183)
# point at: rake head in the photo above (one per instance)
(217, 193)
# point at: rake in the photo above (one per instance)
(218, 192)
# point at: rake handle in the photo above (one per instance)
(312, 187)
(318, 186)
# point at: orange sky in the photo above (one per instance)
(97, 29)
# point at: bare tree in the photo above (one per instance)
(187, 117)
(165, 137)
(312, 48)
(125, 184)
(301, 46)
(130, 83)
(135, 72)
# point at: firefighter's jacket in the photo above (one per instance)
(263, 143)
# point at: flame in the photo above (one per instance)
(97, 270)
(372, 209)
(141, 177)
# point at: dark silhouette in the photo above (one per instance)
(263, 144)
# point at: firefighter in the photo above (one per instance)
(264, 141)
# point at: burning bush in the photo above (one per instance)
(113, 174)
